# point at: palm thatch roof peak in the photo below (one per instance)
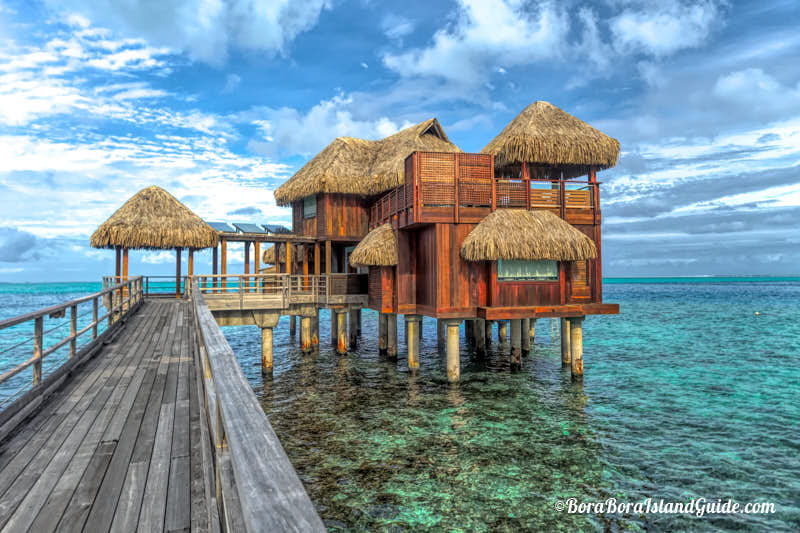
(522, 234)
(154, 219)
(356, 166)
(378, 248)
(547, 135)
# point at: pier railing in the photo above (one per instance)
(155, 285)
(81, 327)
(257, 488)
(282, 290)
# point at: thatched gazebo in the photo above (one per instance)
(530, 235)
(378, 248)
(366, 168)
(153, 219)
(553, 142)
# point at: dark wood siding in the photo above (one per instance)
(343, 217)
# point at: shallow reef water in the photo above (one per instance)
(688, 393)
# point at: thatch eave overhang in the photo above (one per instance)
(377, 248)
(530, 235)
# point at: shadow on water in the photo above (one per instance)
(379, 448)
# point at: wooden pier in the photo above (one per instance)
(151, 427)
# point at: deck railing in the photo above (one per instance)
(318, 289)
(257, 488)
(447, 187)
(155, 285)
(86, 325)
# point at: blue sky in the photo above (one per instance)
(220, 101)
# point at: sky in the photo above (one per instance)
(221, 101)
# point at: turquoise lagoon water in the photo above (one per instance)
(688, 393)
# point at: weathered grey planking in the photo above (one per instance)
(270, 494)
(127, 421)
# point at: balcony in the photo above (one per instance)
(462, 188)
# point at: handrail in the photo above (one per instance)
(257, 486)
(119, 299)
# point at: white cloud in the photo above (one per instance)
(231, 83)
(755, 88)
(665, 27)
(487, 33)
(287, 130)
(206, 29)
(396, 27)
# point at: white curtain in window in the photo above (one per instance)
(523, 270)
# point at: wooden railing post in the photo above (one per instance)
(38, 333)
(95, 306)
(73, 330)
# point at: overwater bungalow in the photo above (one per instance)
(509, 235)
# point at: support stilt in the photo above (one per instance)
(383, 325)
(315, 330)
(441, 325)
(469, 327)
(266, 351)
(576, 347)
(453, 352)
(525, 336)
(341, 331)
(305, 334)
(502, 331)
(358, 322)
(532, 330)
(516, 342)
(353, 327)
(391, 332)
(292, 325)
(479, 331)
(488, 334)
(334, 326)
(565, 351)
(412, 340)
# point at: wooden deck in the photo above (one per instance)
(119, 446)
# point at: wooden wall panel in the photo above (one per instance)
(427, 255)
(526, 293)
(345, 216)
(406, 279)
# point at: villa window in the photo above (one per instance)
(310, 206)
(524, 270)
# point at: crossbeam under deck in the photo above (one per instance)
(118, 447)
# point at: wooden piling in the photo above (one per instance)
(292, 325)
(266, 351)
(441, 326)
(453, 351)
(576, 347)
(479, 331)
(358, 322)
(532, 330)
(516, 342)
(383, 325)
(305, 334)
(315, 330)
(412, 340)
(353, 327)
(391, 339)
(488, 335)
(565, 351)
(469, 327)
(502, 331)
(341, 331)
(525, 336)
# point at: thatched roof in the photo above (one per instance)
(521, 234)
(154, 219)
(544, 134)
(365, 168)
(378, 248)
(268, 256)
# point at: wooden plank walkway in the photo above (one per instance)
(117, 448)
